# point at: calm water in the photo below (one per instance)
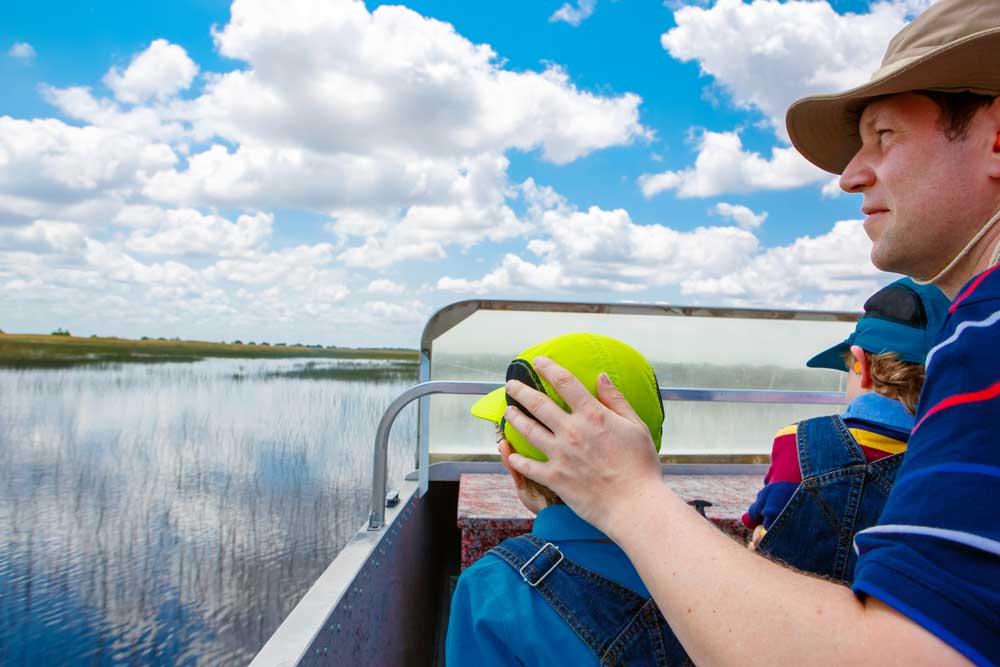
(172, 514)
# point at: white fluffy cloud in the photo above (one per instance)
(385, 286)
(189, 232)
(605, 250)
(830, 271)
(44, 236)
(168, 189)
(723, 166)
(354, 78)
(743, 216)
(49, 160)
(574, 14)
(805, 47)
(21, 51)
(159, 72)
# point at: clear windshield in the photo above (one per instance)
(686, 352)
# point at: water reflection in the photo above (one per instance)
(173, 514)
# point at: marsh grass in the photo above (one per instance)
(357, 371)
(47, 351)
(168, 515)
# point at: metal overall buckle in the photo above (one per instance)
(532, 560)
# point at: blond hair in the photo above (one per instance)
(893, 378)
(533, 487)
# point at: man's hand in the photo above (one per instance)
(601, 456)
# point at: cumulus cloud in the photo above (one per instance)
(606, 250)
(385, 286)
(743, 216)
(189, 232)
(805, 47)
(22, 51)
(831, 188)
(46, 158)
(723, 166)
(831, 271)
(574, 14)
(159, 72)
(44, 236)
(351, 75)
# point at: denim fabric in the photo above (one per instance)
(619, 626)
(841, 493)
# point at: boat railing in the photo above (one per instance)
(376, 520)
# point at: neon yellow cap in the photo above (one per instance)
(586, 356)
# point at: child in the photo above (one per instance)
(563, 594)
(830, 476)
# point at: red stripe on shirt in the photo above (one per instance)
(784, 459)
(961, 399)
(971, 288)
(872, 454)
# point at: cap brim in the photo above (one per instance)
(824, 129)
(831, 358)
(491, 406)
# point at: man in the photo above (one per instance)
(921, 142)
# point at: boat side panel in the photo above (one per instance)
(390, 614)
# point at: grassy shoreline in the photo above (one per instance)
(47, 351)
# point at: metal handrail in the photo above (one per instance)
(451, 315)
(376, 520)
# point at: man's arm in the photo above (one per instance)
(727, 606)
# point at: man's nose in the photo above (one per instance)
(858, 175)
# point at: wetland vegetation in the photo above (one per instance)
(62, 350)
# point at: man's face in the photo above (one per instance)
(925, 196)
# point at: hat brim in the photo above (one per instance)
(491, 406)
(824, 128)
(832, 358)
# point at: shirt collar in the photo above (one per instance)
(879, 409)
(559, 522)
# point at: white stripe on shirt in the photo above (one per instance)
(989, 321)
(961, 537)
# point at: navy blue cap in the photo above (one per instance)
(902, 317)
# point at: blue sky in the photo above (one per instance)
(333, 171)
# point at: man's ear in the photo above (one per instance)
(862, 367)
(505, 452)
(993, 117)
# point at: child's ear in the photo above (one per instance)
(505, 452)
(862, 367)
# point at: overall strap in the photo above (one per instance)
(595, 607)
(825, 444)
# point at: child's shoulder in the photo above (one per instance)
(490, 574)
(786, 431)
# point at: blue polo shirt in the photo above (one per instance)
(498, 619)
(935, 555)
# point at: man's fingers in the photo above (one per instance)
(570, 389)
(543, 408)
(614, 399)
(529, 428)
(530, 468)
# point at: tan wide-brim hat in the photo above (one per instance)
(952, 47)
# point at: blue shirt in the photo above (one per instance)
(498, 619)
(935, 555)
(878, 409)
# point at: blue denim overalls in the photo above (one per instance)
(618, 625)
(841, 493)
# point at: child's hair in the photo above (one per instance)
(545, 492)
(534, 487)
(893, 378)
